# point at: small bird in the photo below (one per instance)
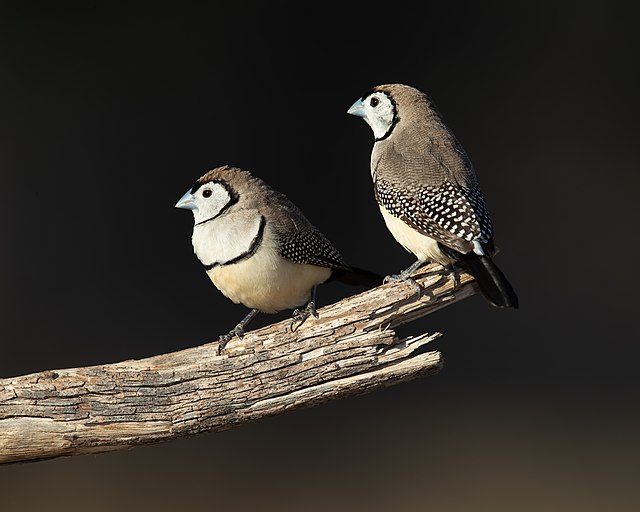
(259, 249)
(427, 189)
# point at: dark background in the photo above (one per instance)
(107, 117)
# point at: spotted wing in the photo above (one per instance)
(311, 247)
(450, 214)
(299, 240)
(427, 180)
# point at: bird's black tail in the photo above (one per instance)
(492, 282)
(357, 277)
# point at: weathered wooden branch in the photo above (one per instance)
(351, 349)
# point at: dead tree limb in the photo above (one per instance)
(351, 349)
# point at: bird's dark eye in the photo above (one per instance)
(374, 102)
(206, 192)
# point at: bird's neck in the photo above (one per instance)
(227, 238)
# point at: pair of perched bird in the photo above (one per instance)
(260, 250)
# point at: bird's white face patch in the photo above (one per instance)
(379, 112)
(210, 200)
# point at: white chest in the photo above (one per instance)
(227, 238)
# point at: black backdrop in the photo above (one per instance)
(108, 116)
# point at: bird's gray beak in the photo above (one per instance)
(357, 109)
(187, 202)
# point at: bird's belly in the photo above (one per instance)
(267, 282)
(423, 247)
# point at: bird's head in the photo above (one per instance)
(379, 109)
(209, 198)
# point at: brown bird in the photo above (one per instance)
(259, 249)
(427, 189)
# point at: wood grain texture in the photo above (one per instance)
(351, 349)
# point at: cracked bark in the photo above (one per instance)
(351, 349)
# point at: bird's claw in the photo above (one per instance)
(226, 338)
(311, 308)
(300, 315)
(448, 272)
(405, 279)
(454, 278)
